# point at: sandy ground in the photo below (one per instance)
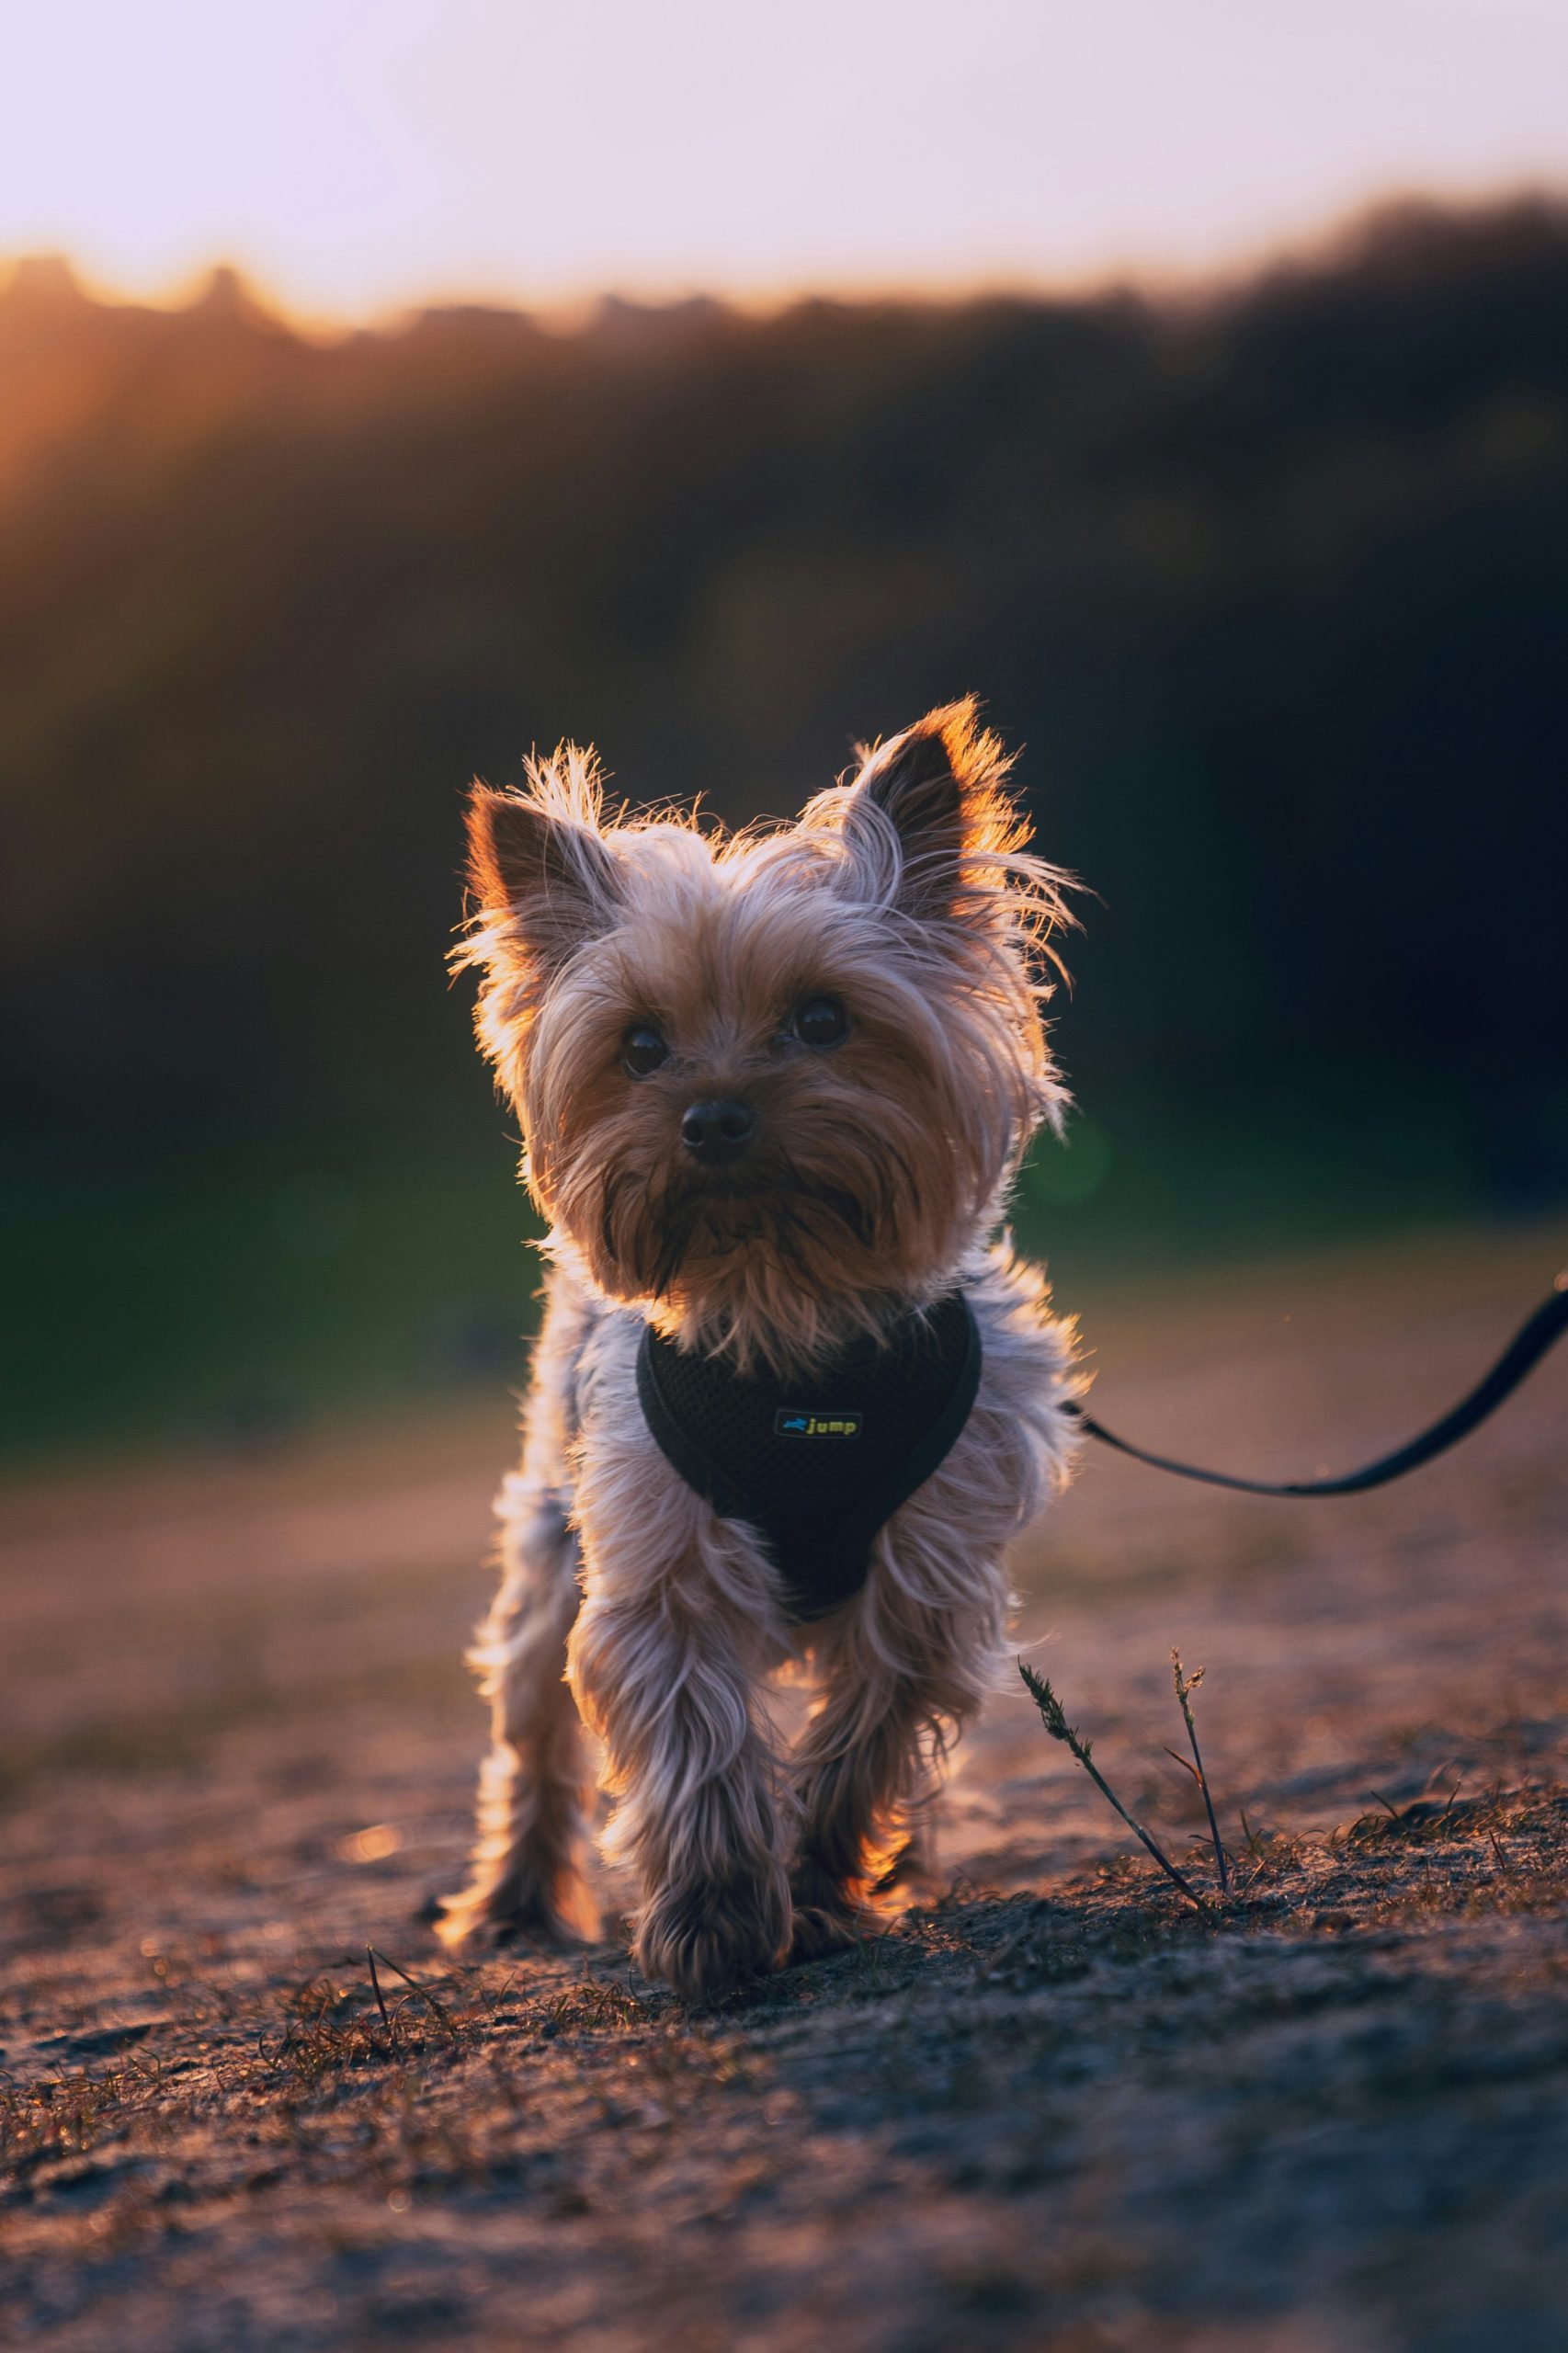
(1059, 2109)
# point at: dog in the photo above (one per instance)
(790, 1399)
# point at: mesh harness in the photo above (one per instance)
(817, 1465)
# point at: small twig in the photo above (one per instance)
(1059, 1728)
(496, 1999)
(424, 1995)
(1185, 1685)
(376, 1986)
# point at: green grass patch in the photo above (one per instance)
(233, 1297)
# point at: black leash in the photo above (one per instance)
(1526, 1349)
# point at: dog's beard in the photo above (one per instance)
(661, 1241)
(819, 1232)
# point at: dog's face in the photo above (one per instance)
(772, 1085)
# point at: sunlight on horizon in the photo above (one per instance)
(356, 155)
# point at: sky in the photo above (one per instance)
(356, 156)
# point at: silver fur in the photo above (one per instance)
(626, 1603)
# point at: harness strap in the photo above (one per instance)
(1523, 1352)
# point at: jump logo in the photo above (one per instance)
(796, 1421)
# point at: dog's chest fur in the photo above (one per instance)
(1014, 1447)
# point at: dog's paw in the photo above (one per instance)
(912, 1876)
(821, 1930)
(830, 1916)
(499, 1919)
(705, 1941)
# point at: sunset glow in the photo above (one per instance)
(359, 154)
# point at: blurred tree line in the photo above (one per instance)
(1271, 584)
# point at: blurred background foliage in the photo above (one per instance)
(1269, 583)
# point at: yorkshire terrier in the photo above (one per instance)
(792, 1399)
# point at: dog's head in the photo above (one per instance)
(772, 1085)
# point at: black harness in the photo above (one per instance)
(817, 1466)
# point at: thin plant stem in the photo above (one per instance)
(1185, 1685)
(376, 1987)
(424, 1992)
(1057, 1725)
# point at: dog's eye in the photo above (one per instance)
(643, 1050)
(821, 1021)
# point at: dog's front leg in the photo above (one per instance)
(864, 1787)
(667, 1671)
(525, 1876)
(901, 1677)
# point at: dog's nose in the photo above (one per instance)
(715, 1133)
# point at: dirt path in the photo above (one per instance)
(1058, 2109)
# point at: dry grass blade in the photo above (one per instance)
(424, 1992)
(1185, 1685)
(376, 1987)
(1055, 1721)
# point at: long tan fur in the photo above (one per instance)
(879, 1173)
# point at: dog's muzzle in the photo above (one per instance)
(716, 1134)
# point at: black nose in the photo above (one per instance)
(715, 1133)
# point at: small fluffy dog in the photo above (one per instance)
(791, 1399)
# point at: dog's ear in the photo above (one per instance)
(932, 799)
(539, 868)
